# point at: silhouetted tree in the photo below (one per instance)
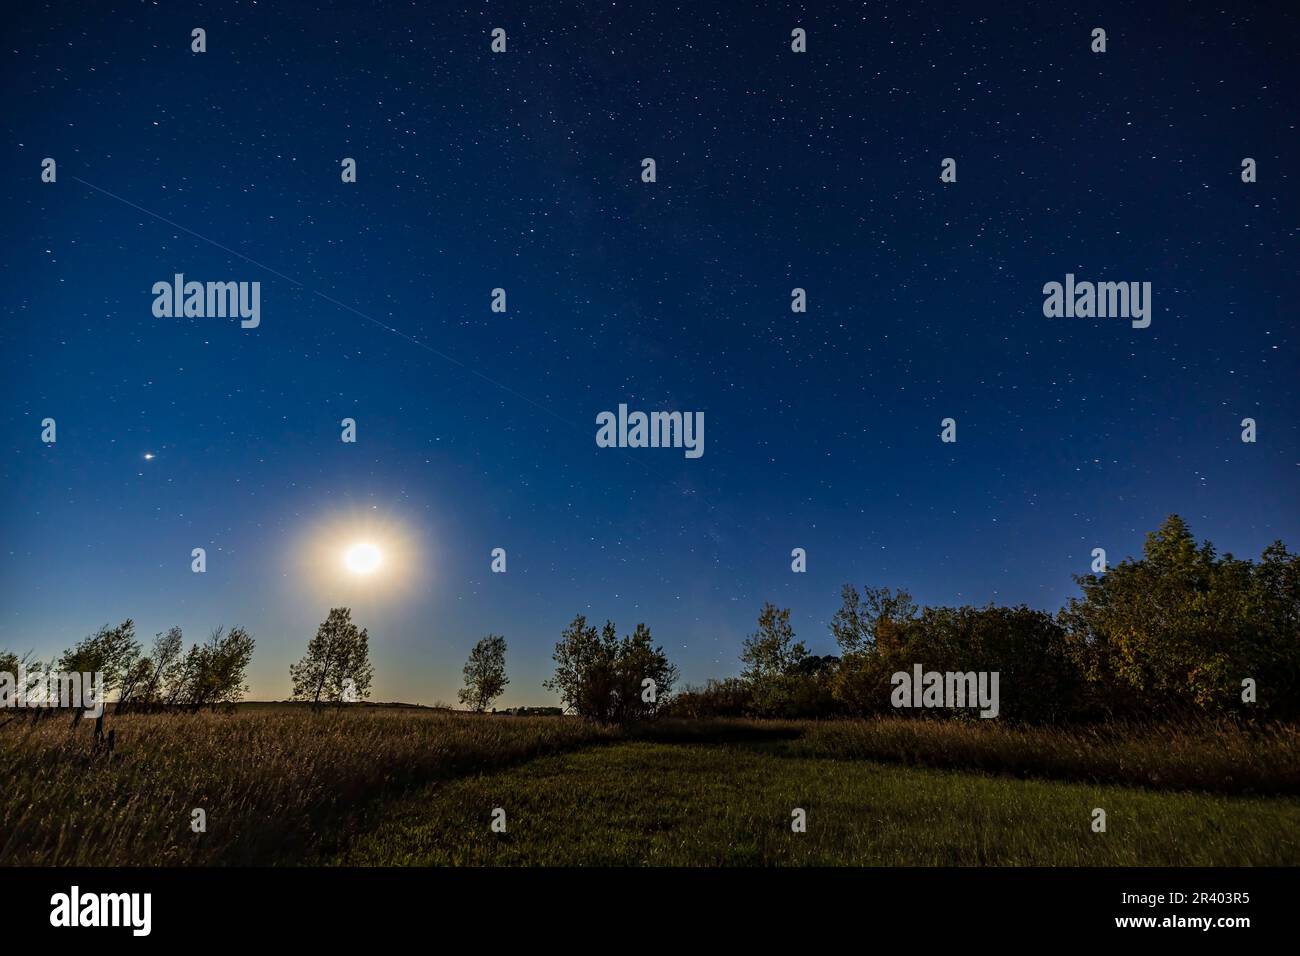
(213, 674)
(485, 673)
(165, 664)
(604, 679)
(783, 678)
(340, 652)
(111, 651)
(637, 661)
(771, 651)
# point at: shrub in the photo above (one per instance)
(1181, 628)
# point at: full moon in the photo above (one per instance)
(363, 558)
(353, 556)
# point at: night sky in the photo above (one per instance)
(522, 170)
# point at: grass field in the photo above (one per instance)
(283, 785)
(278, 784)
(644, 803)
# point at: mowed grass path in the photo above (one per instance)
(665, 804)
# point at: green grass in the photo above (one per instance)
(286, 785)
(708, 804)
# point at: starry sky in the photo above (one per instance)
(521, 171)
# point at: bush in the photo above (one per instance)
(1037, 679)
(1180, 629)
(717, 698)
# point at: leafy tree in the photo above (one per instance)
(485, 673)
(10, 662)
(601, 678)
(31, 683)
(111, 651)
(133, 681)
(637, 660)
(883, 632)
(816, 666)
(339, 652)
(1179, 629)
(772, 651)
(731, 697)
(784, 679)
(213, 674)
(165, 663)
(878, 618)
(584, 668)
(1037, 679)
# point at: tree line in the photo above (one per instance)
(169, 677)
(1180, 630)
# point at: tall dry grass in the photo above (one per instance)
(278, 785)
(1198, 756)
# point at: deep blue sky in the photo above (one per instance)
(521, 170)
